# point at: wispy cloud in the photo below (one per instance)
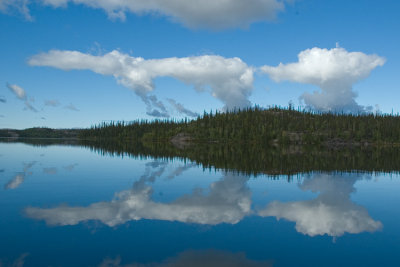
(20, 177)
(71, 167)
(155, 107)
(157, 114)
(71, 107)
(16, 6)
(335, 71)
(52, 103)
(181, 109)
(20, 93)
(15, 182)
(178, 171)
(28, 106)
(50, 171)
(228, 79)
(19, 262)
(153, 170)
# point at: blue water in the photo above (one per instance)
(68, 206)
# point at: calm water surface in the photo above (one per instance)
(68, 206)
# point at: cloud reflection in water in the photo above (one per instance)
(209, 258)
(228, 201)
(331, 213)
(19, 178)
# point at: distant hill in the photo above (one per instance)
(39, 133)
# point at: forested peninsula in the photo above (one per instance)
(274, 126)
(264, 127)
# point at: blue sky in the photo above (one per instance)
(60, 94)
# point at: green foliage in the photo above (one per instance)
(250, 159)
(253, 159)
(261, 126)
(39, 132)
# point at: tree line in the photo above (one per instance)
(261, 126)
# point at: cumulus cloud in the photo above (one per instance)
(228, 201)
(335, 71)
(20, 93)
(191, 13)
(228, 79)
(331, 213)
(181, 109)
(52, 103)
(196, 258)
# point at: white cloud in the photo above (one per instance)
(214, 14)
(228, 201)
(21, 95)
(228, 79)
(334, 71)
(331, 213)
(20, 6)
(18, 91)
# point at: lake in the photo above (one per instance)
(78, 205)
